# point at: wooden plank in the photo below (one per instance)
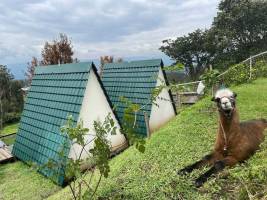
(5, 155)
(7, 135)
(2, 157)
(2, 154)
(188, 93)
(5, 152)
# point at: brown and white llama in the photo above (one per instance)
(235, 141)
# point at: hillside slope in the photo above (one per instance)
(185, 139)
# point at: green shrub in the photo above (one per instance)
(260, 69)
(240, 73)
(236, 75)
(11, 117)
(209, 77)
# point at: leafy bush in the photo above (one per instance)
(240, 73)
(11, 117)
(260, 69)
(236, 75)
(209, 77)
(96, 158)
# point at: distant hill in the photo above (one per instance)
(18, 70)
(178, 76)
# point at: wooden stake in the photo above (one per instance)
(250, 68)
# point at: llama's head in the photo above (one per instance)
(225, 100)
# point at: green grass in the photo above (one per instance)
(8, 129)
(18, 181)
(152, 175)
(185, 139)
(9, 140)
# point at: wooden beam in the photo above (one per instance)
(5, 155)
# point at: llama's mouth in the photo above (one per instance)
(227, 113)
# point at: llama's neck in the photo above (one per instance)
(230, 125)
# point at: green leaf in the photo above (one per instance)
(142, 148)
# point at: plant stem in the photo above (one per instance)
(73, 192)
(97, 186)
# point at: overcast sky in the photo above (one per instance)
(124, 28)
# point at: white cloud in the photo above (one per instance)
(124, 28)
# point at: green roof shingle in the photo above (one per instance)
(135, 81)
(55, 93)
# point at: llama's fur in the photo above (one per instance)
(224, 93)
(235, 141)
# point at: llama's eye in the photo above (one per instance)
(215, 99)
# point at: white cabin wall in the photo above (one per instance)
(96, 107)
(164, 112)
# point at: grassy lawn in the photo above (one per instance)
(18, 181)
(8, 129)
(152, 175)
(9, 140)
(185, 139)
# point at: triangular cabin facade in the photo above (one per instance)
(55, 93)
(136, 81)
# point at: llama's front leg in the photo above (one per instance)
(206, 160)
(218, 166)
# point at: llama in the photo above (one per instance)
(235, 141)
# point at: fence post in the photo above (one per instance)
(178, 100)
(250, 67)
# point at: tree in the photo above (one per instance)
(241, 25)
(11, 98)
(119, 60)
(16, 101)
(238, 31)
(58, 51)
(103, 61)
(195, 51)
(30, 70)
(5, 91)
(107, 59)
